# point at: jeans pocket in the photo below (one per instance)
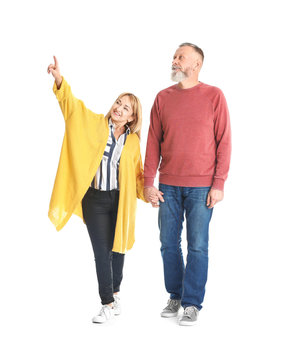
(199, 193)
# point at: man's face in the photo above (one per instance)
(184, 60)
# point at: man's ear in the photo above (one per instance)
(198, 65)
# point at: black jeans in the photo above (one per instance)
(100, 213)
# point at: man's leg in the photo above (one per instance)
(198, 217)
(170, 219)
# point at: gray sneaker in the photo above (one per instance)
(171, 309)
(189, 316)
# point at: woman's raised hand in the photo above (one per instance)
(55, 71)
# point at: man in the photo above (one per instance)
(190, 131)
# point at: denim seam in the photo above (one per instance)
(199, 307)
(178, 248)
(186, 261)
(186, 271)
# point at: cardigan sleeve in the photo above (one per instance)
(140, 179)
(67, 101)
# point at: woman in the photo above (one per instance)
(99, 177)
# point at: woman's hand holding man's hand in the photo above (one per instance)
(153, 195)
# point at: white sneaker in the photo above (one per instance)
(106, 313)
(116, 305)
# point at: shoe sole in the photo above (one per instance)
(98, 322)
(169, 315)
(102, 322)
(188, 323)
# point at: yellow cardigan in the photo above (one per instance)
(85, 139)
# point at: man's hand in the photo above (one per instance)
(153, 195)
(214, 196)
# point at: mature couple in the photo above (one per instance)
(100, 176)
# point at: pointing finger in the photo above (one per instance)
(56, 61)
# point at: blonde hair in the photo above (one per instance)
(135, 125)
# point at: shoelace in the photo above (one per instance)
(188, 311)
(104, 310)
(171, 304)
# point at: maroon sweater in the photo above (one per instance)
(190, 131)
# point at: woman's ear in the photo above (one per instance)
(131, 118)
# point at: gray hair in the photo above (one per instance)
(195, 47)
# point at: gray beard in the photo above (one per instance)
(178, 76)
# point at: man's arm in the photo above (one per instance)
(154, 139)
(152, 156)
(222, 134)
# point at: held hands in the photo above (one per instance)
(153, 195)
(55, 71)
(214, 197)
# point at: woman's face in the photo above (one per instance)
(121, 111)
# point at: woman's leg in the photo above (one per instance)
(117, 270)
(117, 258)
(97, 212)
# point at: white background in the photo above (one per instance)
(48, 281)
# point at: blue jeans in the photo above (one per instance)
(185, 282)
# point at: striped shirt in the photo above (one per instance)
(106, 177)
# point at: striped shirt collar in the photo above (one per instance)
(110, 123)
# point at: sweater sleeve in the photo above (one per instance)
(223, 141)
(67, 101)
(154, 139)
